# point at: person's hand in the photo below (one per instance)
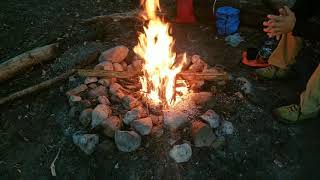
(282, 24)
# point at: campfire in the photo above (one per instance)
(154, 92)
(160, 68)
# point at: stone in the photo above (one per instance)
(106, 65)
(92, 85)
(202, 134)
(103, 100)
(115, 88)
(124, 65)
(212, 118)
(78, 90)
(201, 97)
(196, 59)
(181, 153)
(142, 126)
(134, 114)
(90, 80)
(73, 100)
(114, 55)
(174, 120)
(137, 64)
(86, 142)
(99, 114)
(86, 117)
(117, 67)
(129, 102)
(99, 91)
(111, 125)
(107, 82)
(197, 67)
(127, 141)
(245, 85)
(226, 128)
(130, 68)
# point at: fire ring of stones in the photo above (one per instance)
(114, 108)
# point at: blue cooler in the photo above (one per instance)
(227, 20)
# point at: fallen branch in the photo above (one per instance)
(46, 84)
(52, 166)
(209, 76)
(13, 66)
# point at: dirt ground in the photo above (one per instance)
(33, 129)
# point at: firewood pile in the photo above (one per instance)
(109, 104)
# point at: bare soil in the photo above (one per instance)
(34, 128)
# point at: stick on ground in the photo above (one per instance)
(16, 65)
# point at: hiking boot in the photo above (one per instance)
(292, 114)
(272, 72)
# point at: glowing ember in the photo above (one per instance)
(159, 69)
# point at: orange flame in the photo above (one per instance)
(155, 47)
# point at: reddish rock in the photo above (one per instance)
(89, 80)
(99, 114)
(103, 100)
(175, 120)
(202, 134)
(115, 55)
(106, 65)
(99, 91)
(110, 125)
(117, 67)
(78, 90)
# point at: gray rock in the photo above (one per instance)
(201, 97)
(181, 153)
(107, 82)
(99, 114)
(90, 80)
(115, 55)
(226, 128)
(175, 120)
(86, 117)
(117, 67)
(127, 141)
(116, 90)
(129, 102)
(134, 114)
(99, 91)
(86, 142)
(212, 118)
(78, 90)
(92, 85)
(103, 100)
(142, 126)
(245, 85)
(110, 125)
(73, 100)
(202, 134)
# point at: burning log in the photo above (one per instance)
(208, 76)
(13, 66)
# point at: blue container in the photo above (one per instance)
(227, 20)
